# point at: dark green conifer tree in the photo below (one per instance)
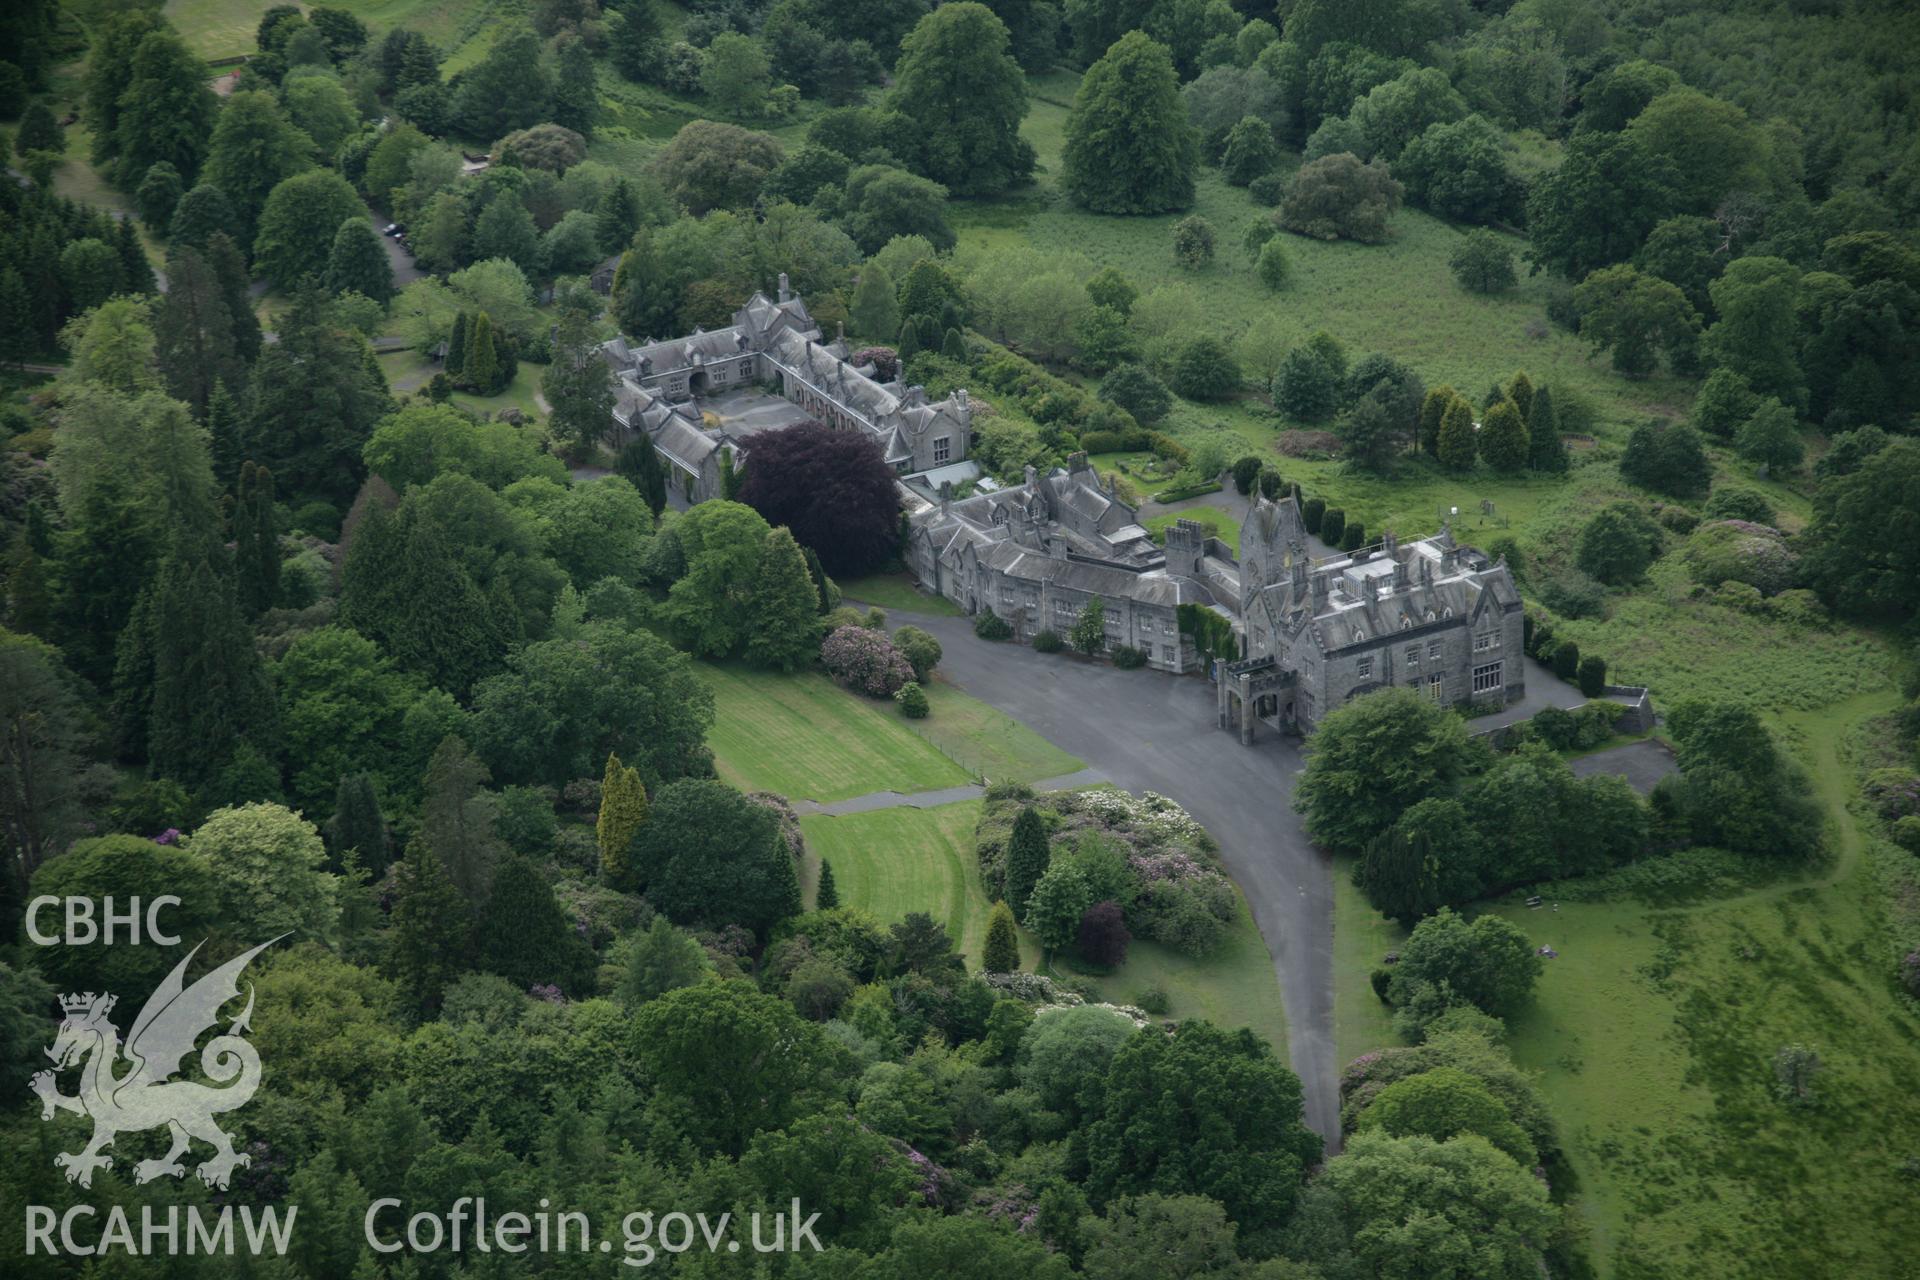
(431, 930)
(256, 555)
(524, 935)
(825, 895)
(1028, 854)
(357, 827)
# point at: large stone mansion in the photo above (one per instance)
(1312, 633)
(660, 389)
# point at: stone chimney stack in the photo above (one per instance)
(946, 495)
(1319, 590)
(1032, 475)
(1299, 575)
(786, 294)
(1449, 561)
(1390, 544)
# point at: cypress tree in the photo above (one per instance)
(783, 606)
(1520, 391)
(821, 586)
(1503, 438)
(826, 896)
(1002, 951)
(456, 362)
(135, 270)
(954, 347)
(430, 931)
(619, 215)
(930, 333)
(1456, 446)
(210, 693)
(1547, 451)
(623, 811)
(133, 680)
(256, 543)
(482, 368)
(16, 318)
(640, 464)
(357, 827)
(523, 934)
(908, 344)
(223, 425)
(1028, 854)
(235, 282)
(1432, 409)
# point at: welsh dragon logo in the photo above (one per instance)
(145, 1095)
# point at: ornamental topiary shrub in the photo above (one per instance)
(1049, 641)
(912, 701)
(1312, 513)
(1593, 676)
(1128, 658)
(1566, 660)
(1354, 537)
(1333, 525)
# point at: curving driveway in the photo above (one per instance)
(1150, 731)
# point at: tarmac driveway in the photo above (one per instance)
(1149, 731)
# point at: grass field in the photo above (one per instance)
(1652, 1038)
(1234, 987)
(985, 742)
(409, 371)
(1399, 297)
(894, 861)
(225, 28)
(897, 591)
(1361, 939)
(808, 739)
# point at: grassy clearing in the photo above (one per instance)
(1226, 526)
(987, 743)
(409, 371)
(805, 737)
(1234, 987)
(225, 28)
(897, 591)
(1361, 938)
(1399, 298)
(894, 861)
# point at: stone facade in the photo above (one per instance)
(775, 345)
(1037, 553)
(1428, 615)
(1312, 634)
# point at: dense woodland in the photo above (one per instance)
(375, 667)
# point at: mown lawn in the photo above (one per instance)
(988, 743)
(897, 591)
(806, 738)
(894, 861)
(1361, 939)
(1234, 987)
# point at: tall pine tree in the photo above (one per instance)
(1456, 445)
(457, 819)
(256, 552)
(431, 930)
(482, 368)
(357, 825)
(826, 895)
(524, 935)
(210, 693)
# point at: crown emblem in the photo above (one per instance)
(83, 1002)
